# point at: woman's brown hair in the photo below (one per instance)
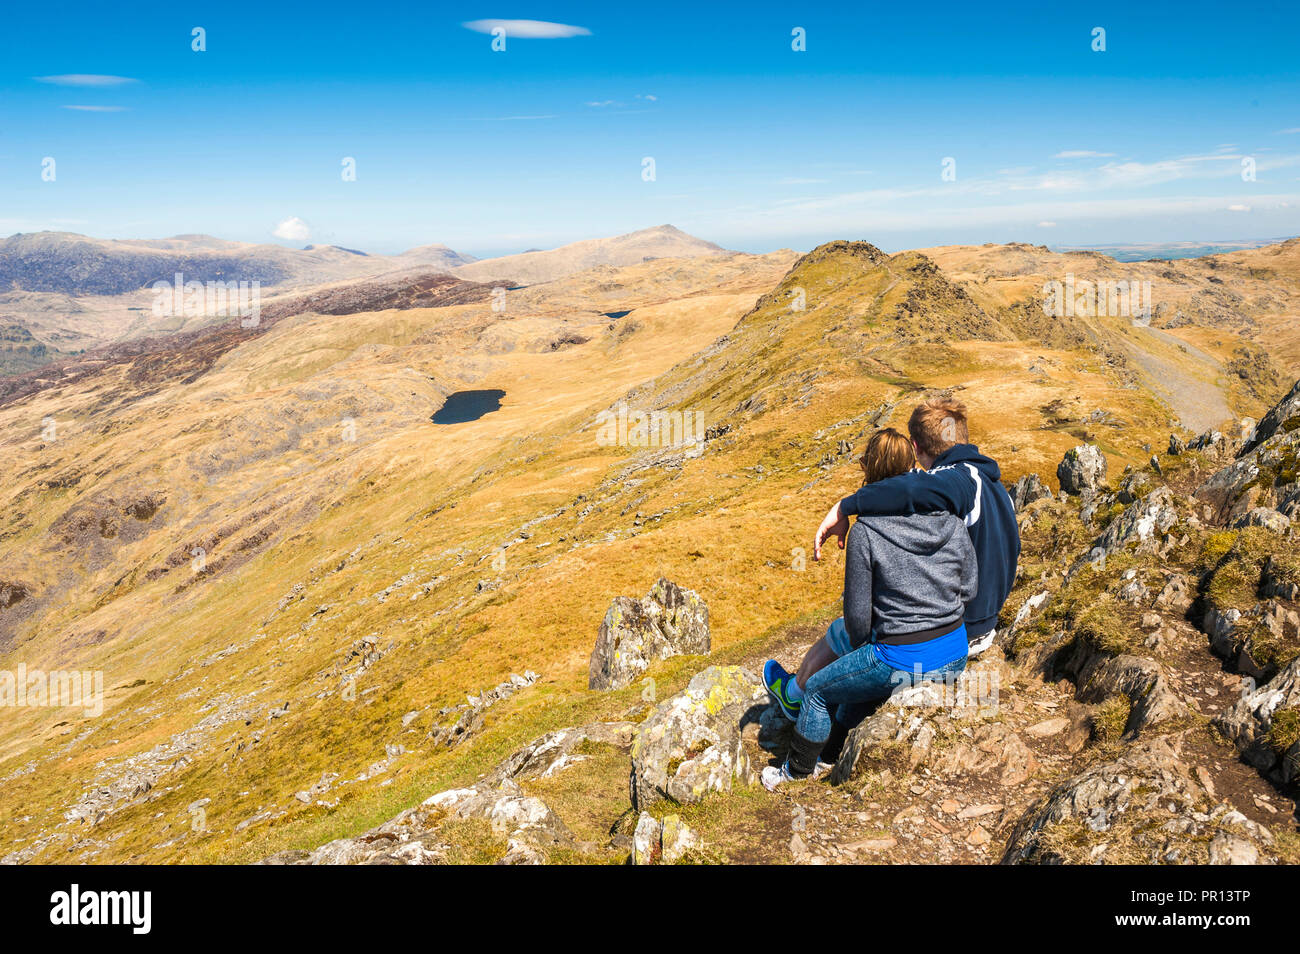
(888, 454)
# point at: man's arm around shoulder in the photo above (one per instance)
(950, 489)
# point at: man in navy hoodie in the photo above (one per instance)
(957, 479)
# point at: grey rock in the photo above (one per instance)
(1249, 723)
(1282, 418)
(1145, 807)
(1264, 517)
(668, 621)
(1140, 528)
(1028, 490)
(1082, 468)
(692, 744)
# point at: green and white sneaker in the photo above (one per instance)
(777, 681)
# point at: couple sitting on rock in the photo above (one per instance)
(929, 563)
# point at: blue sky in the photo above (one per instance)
(755, 146)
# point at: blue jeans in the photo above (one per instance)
(850, 686)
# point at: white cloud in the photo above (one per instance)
(528, 29)
(1047, 225)
(97, 109)
(1291, 131)
(1082, 154)
(85, 79)
(293, 229)
(1238, 208)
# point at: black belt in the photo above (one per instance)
(921, 636)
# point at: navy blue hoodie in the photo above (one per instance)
(967, 484)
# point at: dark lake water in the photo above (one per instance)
(462, 406)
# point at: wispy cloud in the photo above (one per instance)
(528, 29)
(97, 109)
(1082, 154)
(1290, 132)
(618, 104)
(293, 229)
(85, 79)
(1238, 208)
(1047, 225)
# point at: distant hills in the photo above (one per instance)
(72, 264)
(71, 293)
(662, 241)
(1142, 252)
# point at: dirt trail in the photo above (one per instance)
(1196, 400)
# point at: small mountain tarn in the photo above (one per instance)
(464, 406)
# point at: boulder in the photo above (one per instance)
(1144, 681)
(1253, 640)
(899, 736)
(1082, 469)
(1264, 725)
(668, 621)
(1146, 807)
(412, 837)
(691, 744)
(1176, 594)
(1265, 517)
(662, 842)
(1029, 489)
(1140, 528)
(1282, 418)
(554, 751)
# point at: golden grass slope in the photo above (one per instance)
(229, 683)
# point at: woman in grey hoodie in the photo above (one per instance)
(906, 584)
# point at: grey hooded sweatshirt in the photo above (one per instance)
(908, 578)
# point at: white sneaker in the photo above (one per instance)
(981, 644)
(774, 776)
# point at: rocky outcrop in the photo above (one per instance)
(692, 744)
(526, 823)
(1146, 807)
(1265, 726)
(668, 621)
(1265, 517)
(1264, 475)
(1140, 528)
(1254, 641)
(662, 842)
(414, 836)
(1143, 681)
(555, 751)
(900, 736)
(469, 715)
(1281, 418)
(1082, 469)
(1029, 489)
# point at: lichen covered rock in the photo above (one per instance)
(668, 621)
(1082, 469)
(691, 744)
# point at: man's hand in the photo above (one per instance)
(835, 525)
